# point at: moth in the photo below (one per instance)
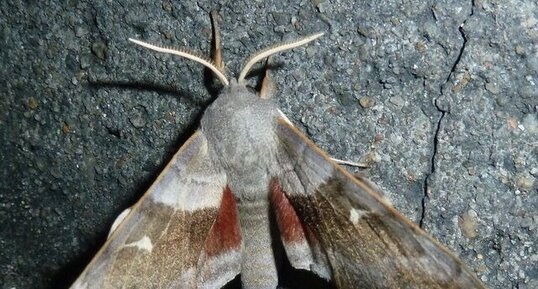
(248, 172)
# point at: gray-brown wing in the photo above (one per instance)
(174, 236)
(367, 242)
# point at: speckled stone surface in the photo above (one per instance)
(439, 99)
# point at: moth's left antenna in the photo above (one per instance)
(272, 50)
(187, 54)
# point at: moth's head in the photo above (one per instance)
(218, 68)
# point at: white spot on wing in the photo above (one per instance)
(118, 221)
(355, 215)
(195, 193)
(80, 285)
(302, 256)
(299, 254)
(220, 269)
(189, 188)
(142, 244)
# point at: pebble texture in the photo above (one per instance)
(439, 98)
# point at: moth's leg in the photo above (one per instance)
(351, 164)
(216, 49)
(267, 88)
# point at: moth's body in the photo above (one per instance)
(238, 127)
(245, 174)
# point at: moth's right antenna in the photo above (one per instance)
(272, 50)
(189, 55)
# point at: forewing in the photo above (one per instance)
(367, 242)
(183, 233)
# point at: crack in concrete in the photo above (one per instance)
(426, 185)
(443, 111)
(462, 48)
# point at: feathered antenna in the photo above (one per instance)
(272, 50)
(187, 54)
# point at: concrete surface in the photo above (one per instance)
(439, 99)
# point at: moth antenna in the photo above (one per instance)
(272, 50)
(187, 54)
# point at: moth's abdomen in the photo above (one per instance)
(258, 268)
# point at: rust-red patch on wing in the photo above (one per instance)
(289, 224)
(225, 234)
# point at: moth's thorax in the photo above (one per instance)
(239, 128)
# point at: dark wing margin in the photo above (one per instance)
(367, 242)
(183, 232)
